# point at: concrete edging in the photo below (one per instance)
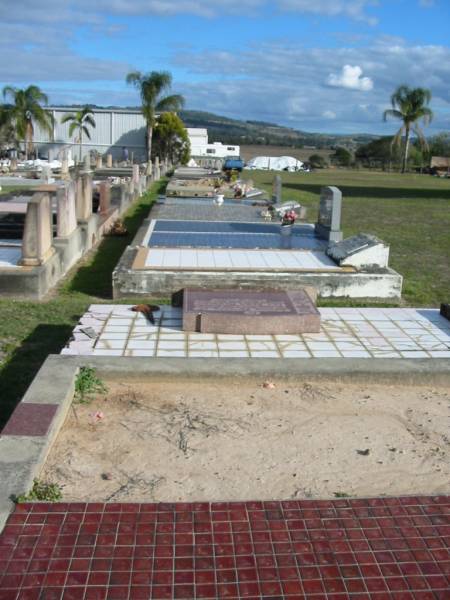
(22, 456)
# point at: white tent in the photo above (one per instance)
(275, 163)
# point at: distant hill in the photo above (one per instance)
(233, 131)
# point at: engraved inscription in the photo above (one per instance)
(247, 302)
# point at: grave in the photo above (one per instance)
(190, 242)
(250, 311)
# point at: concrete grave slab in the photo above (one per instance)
(249, 312)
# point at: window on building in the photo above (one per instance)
(231, 148)
(210, 151)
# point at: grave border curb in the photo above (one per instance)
(22, 456)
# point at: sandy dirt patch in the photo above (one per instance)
(189, 440)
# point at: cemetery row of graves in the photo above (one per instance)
(224, 387)
(409, 212)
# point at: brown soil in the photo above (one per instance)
(189, 440)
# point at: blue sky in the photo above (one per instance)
(317, 65)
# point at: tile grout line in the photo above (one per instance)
(409, 338)
(371, 323)
(130, 329)
(102, 330)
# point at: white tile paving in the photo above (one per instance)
(345, 333)
(221, 258)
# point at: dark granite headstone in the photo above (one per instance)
(445, 311)
(328, 224)
(249, 312)
(276, 190)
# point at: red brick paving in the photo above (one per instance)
(381, 548)
(30, 419)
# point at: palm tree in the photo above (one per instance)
(409, 105)
(79, 122)
(24, 110)
(151, 86)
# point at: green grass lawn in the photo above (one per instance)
(30, 330)
(409, 212)
(7, 189)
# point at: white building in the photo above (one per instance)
(115, 129)
(200, 148)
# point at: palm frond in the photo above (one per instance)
(89, 120)
(36, 94)
(73, 127)
(392, 113)
(9, 90)
(420, 136)
(397, 139)
(134, 78)
(68, 117)
(173, 103)
(86, 132)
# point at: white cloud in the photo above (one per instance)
(351, 78)
(354, 9)
(86, 10)
(285, 84)
(329, 114)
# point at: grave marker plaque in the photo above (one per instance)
(249, 312)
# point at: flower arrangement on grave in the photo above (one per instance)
(288, 218)
(118, 228)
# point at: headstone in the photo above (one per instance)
(78, 194)
(156, 170)
(87, 162)
(99, 163)
(131, 191)
(142, 184)
(37, 234)
(276, 190)
(149, 169)
(84, 197)
(135, 174)
(249, 312)
(328, 224)
(445, 311)
(123, 197)
(66, 216)
(64, 167)
(46, 175)
(105, 197)
(109, 163)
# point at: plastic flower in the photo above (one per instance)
(289, 217)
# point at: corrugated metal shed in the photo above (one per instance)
(115, 129)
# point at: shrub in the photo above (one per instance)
(41, 492)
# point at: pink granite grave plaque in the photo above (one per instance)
(249, 312)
